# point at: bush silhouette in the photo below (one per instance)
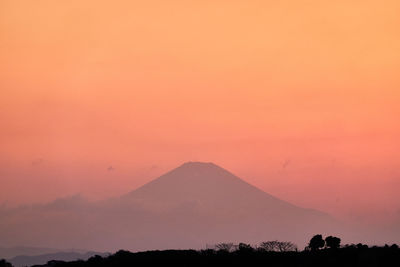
(316, 243)
(332, 242)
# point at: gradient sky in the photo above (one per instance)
(300, 98)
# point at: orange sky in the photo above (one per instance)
(300, 98)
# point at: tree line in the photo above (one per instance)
(317, 242)
(319, 252)
(275, 245)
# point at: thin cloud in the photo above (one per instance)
(110, 169)
(286, 163)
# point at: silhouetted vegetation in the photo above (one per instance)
(277, 246)
(319, 252)
(332, 242)
(227, 247)
(316, 243)
(4, 263)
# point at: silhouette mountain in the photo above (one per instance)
(205, 187)
(191, 206)
(199, 203)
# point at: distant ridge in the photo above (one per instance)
(10, 252)
(20, 261)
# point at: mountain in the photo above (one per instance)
(208, 204)
(20, 261)
(10, 252)
(191, 206)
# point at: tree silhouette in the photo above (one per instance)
(243, 247)
(286, 246)
(316, 242)
(228, 247)
(332, 242)
(277, 246)
(268, 245)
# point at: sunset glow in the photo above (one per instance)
(300, 98)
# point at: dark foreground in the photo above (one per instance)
(347, 256)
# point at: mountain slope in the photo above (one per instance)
(208, 188)
(210, 204)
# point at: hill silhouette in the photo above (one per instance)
(23, 260)
(11, 252)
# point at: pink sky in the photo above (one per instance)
(301, 100)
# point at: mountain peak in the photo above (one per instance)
(199, 165)
(192, 173)
(198, 171)
(205, 183)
